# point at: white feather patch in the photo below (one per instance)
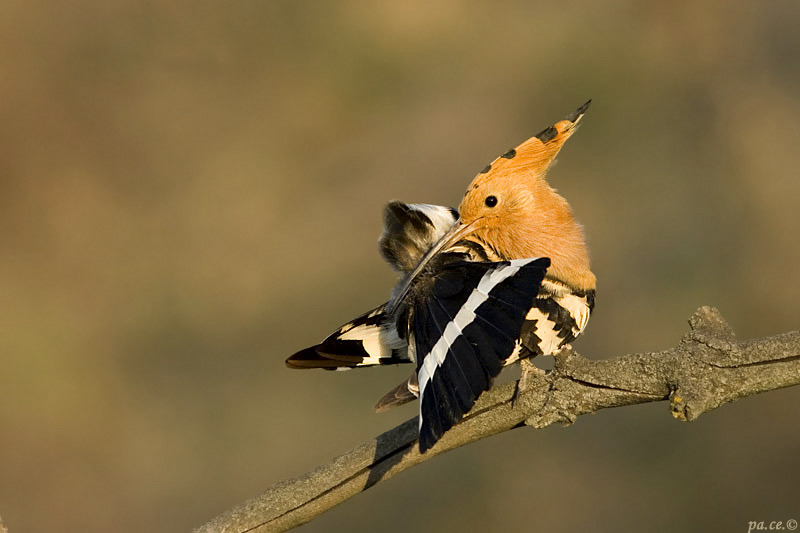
(377, 341)
(576, 305)
(545, 330)
(441, 217)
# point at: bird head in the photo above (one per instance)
(511, 207)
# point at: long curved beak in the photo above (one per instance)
(458, 231)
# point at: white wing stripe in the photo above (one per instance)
(464, 317)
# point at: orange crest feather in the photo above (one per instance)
(536, 154)
(511, 207)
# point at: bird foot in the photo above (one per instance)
(528, 370)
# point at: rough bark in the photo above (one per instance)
(708, 368)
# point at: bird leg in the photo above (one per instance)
(527, 369)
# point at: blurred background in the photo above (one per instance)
(190, 192)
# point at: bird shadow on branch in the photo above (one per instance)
(708, 368)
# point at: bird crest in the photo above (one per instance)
(534, 156)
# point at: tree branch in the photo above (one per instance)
(708, 368)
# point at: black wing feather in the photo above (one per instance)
(466, 366)
(458, 385)
(487, 350)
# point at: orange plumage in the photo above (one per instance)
(529, 218)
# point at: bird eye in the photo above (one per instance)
(491, 201)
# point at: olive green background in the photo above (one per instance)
(191, 191)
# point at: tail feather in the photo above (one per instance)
(369, 340)
(310, 358)
(406, 392)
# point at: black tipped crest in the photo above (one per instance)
(575, 115)
(548, 134)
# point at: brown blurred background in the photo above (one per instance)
(190, 191)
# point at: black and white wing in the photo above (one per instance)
(371, 339)
(410, 230)
(463, 329)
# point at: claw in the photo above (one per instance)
(528, 369)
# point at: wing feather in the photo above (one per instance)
(466, 325)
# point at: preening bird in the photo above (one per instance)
(504, 278)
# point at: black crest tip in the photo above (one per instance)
(578, 113)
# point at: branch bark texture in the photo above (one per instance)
(708, 368)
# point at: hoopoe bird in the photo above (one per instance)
(502, 279)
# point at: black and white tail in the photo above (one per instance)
(369, 340)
